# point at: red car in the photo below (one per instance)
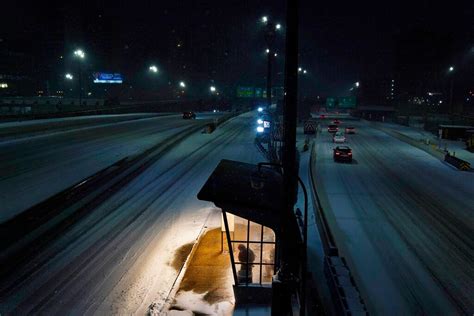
(350, 130)
(342, 153)
(333, 128)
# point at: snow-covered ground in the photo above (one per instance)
(453, 146)
(405, 222)
(120, 258)
(34, 168)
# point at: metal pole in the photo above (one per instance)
(269, 78)
(451, 98)
(80, 83)
(282, 287)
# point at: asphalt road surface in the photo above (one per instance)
(405, 222)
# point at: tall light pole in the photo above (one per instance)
(79, 54)
(270, 33)
(451, 88)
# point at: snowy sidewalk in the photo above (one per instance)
(206, 287)
(428, 142)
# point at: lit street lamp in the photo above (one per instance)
(182, 84)
(213, 89)
(80, 54)
(153, 69)
(270, 32)
(451, 108)
(357, 84)
(69, 76)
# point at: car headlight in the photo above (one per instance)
(259, 121)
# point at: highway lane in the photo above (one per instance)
(405, 222)
(118, 259)
(34, 168)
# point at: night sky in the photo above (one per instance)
(222, 41)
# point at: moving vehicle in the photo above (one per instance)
(336, 121)
(189, 115)
(342, 153)
(350, 130)
(333, 128)
(339, 137)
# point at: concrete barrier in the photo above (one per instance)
(457, 162)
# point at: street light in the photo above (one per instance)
(275, 54)
(300, 69)
(304, 71)
(278, 26)
(264, 19)
(213, 89)
(182, 84)
(267, 50)
(79, 53)
(153, 68)
(357, 84)
(451, 107)
(69, 76)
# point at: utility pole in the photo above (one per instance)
(270, 40)
(451, 106)
(80, 83)
(284, 280)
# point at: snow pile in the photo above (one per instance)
(190, 303)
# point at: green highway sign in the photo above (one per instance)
(330, 102)
(347, 102)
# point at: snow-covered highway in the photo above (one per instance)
(36, 167)
(404, 220)
(121, 258)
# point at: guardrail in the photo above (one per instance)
(457, 162)
(346, 296)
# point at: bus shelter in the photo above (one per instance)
(251, 198)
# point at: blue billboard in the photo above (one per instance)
(103, 77)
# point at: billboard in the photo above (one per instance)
(103, 77)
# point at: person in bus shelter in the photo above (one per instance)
(246, 257)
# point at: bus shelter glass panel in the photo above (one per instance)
(253, 251)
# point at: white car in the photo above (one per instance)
(339, 138)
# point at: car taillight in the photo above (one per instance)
(350, 154)
(337, 153)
